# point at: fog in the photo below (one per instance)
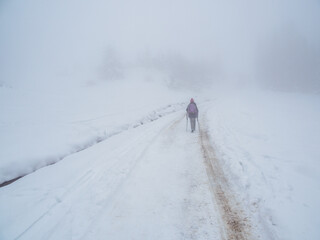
(186, 43)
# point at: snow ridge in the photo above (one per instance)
(101, 136)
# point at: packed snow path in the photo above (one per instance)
(149, 182)
(235, 224)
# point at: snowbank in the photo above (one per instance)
(40, 126)
(269, 143)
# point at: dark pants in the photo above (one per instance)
(193, 123)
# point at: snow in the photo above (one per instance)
(124, 186)
(40, 126)
(93, 142)
(269, 143)
(125, 167)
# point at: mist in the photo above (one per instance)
(186, 44)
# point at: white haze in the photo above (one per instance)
(274, 44)
(74, 73)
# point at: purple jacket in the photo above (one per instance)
(192, 114)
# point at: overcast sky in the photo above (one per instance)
(69, 37)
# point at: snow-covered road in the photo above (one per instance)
(235, 223)
(249, 173)
(145, 183)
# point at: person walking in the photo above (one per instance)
(192, 112)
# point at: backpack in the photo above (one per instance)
(192, 109)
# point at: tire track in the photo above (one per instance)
(113, 173)
(109, 201)
(235, 224)
(152, 116)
